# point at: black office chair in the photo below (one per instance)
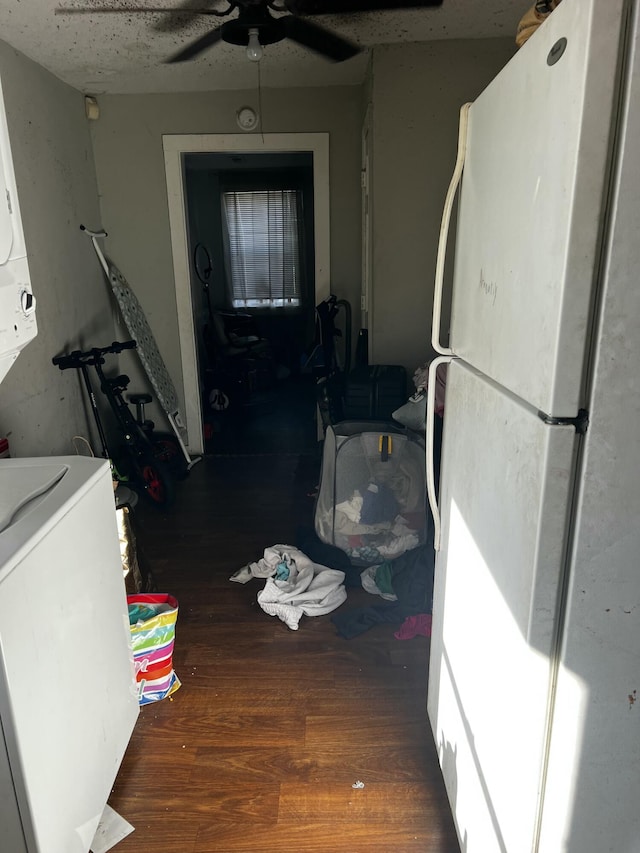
(243, 361)
(236, 334)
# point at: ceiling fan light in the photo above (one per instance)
(254, 48)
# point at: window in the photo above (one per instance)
(263, 247)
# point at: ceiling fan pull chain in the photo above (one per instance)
(260, 113)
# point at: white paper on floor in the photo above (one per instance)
(111, 829)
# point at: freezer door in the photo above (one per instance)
(505, 490)
(531, 206)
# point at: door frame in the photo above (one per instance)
(366, 306)
(175, 146)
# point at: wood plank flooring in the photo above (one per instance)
(260, 748)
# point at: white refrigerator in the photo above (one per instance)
(68, 698)
(535, 653)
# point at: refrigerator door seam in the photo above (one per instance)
(622, 86)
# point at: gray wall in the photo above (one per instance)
(41, 409)
(417, 93)
(131, 177)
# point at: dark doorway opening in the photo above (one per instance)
(251, 244)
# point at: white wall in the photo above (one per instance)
(417, 93)
(41, 409)
(130, 167)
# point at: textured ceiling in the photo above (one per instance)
(124, 53)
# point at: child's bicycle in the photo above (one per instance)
(151, 460)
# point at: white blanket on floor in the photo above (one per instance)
(310, 589)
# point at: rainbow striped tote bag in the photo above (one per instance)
(152, 620)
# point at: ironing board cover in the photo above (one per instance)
(140, 331)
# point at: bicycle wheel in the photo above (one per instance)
(167, 450)
(153, 478)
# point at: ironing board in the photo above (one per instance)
(139, 329)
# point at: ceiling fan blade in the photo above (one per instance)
(202, 6)
(197, 46)
(318, 39)
(179, 17)
(335, 7)
(101, 10)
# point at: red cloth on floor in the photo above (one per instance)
(414, 626)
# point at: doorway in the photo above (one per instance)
(310, 148)
(251, 244)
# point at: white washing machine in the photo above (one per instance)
(68, 698)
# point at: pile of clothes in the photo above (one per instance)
(370, 528)
(295, 585)
(406, 585)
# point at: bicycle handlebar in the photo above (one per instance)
(90, 357)
(101, 233)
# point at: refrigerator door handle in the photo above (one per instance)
(444, 232)
(431, 412)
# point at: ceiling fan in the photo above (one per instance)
(254, 26)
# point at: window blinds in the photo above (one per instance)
(262, 247)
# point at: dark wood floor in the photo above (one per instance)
(259, 750)
(278, 418)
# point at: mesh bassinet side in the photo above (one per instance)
(356, 476)
(323, 517)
